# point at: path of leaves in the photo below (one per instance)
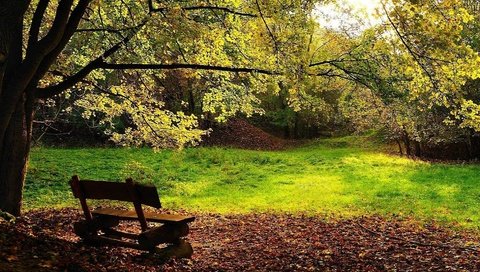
(43, 241)
(241, 134)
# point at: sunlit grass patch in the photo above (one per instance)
(340, 177)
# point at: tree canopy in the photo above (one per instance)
(159, 73)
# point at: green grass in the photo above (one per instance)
(338, 177)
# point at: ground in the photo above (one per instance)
(331, 205)
(241, 134)
(44, 241)
(345, 177)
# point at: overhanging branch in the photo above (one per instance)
(146, 66)
(412, 53)
(99, 63)
(268, 28)
(82, 73)
(152, 9)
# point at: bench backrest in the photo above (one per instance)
(92, 189)
(129, 191)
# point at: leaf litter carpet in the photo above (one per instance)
(43, 240)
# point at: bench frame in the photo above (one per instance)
(98, 228)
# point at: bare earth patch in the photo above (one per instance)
(44, 241)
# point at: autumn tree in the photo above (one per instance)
(417, 69)
(111, 54)
(438, 62)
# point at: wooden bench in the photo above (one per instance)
(99, 225)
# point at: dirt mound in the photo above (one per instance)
(241, 134)
(44, 241)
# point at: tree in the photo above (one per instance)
(84, 47)
(439, 61)
(420, 67)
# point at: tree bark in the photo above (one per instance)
(16, 107)
(406, 141)
(14, 152)
(418, 149)
(399, 147)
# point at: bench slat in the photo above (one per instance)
(93, 189)
(153, 217)
(147, 194)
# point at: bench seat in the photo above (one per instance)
(152, 217)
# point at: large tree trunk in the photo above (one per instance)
(14, 152)
(16, 108)
(23, 63)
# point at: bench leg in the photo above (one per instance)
(86, 228)
(165, 234)
(181, 249)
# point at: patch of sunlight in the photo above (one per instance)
(389, 160)
(309, 193)
(311, 184)
(447, 190)
(189, 189)
(442, 211)
(405, 185)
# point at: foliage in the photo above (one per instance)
(415, 67)
(414, 75)
(264, 35)
(439, 61)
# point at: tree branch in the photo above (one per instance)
(224, 9)
(77, 77)
(108, 30)
(335, 61)
(409, 49)
(268, 28)
(98, 63)
(55, 34)
(36, 22)
(125, 66)
(72, 25)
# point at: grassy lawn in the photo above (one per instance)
(337, 177)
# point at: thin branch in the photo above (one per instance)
(268, 28)
(335, 61)
(126, 66)
(224, 9)
(108, 30)
(192, 8)
(99, 63)
(409, 49)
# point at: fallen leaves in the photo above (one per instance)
(44, 241)
(241, 134)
